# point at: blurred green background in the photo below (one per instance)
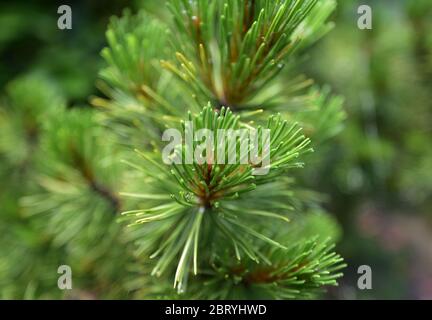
(377, 174)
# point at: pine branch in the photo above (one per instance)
(299, 272)
(74, 177)
(227, 52)
(198, 190)
(210, 228)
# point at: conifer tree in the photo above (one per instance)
(101, 199)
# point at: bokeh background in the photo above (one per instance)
(377, 175)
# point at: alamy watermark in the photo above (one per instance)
(64, 282)
(365, 280)
(225, 146)
(65, 20)
(365, 19)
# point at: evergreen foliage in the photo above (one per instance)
(131, 226)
